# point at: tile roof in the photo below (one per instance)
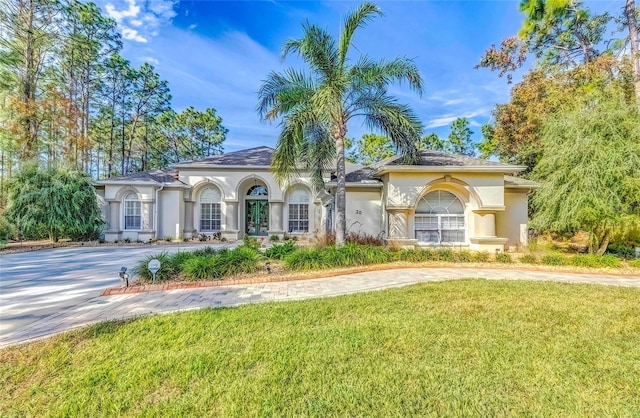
(519, 182)
(431, 158)
(158, 176)
(255, 157)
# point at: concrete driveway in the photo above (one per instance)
(36, 284)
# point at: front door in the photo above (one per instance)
(257, 220)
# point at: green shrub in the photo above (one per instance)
(444, 254)
(331, 256)
(504, 258)
(274, 238)
(529, 259)
(201, 268)
(278, 252)
(463, 256)
(168, 268)
(304, 259)
(420, 255)
(481, 256)
(251, 242)
(206, 251)
(224, 263)
(179, 258)
(592, 260)
(621, 250)
(635, 263)
(554, 260)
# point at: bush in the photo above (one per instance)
(481, 256)
(54, 202)
(592, 260)
(529, 259)
(425, 254)
(504, 258)
(278, 252)
(168, 268)
(206, 251)
(328, 257)
(444, 255)
(224, 263)
(635, 263)
(463, 256)
(554, 260)
(304, 259)
(623, 251)
(251, 242)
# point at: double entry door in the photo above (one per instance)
(257, 217)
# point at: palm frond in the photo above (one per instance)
(279, 92)
(359, 18)
(317, 48)
(383, 113)
(367, 73)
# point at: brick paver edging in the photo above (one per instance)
(275, 278)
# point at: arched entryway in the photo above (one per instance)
(257, 210)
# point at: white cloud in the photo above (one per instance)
(453, 102)
(150, 60)
(132, 11)
(441, 121)
(133, 35)
(139, 22)
(192, 26)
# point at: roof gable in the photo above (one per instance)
(252, 157)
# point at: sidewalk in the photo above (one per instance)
(103, 308)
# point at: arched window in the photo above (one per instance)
(298, 211)
(210, 210)
(255, 191)
(440, 218)
(132, 212)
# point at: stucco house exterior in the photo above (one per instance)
(445, 200)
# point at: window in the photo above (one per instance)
(210, 210)
(440, 218)
(256, 191)
(132, 212)
(298, 211)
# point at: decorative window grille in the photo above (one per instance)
(440, 219)
(210, 214)
(298, 211)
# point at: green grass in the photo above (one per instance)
(459, 348)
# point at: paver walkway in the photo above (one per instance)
(136, 304)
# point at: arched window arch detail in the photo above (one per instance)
(132, 211)
(210, 211)
(298, 202)
(440, 218)
(258, 191)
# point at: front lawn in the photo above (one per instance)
(474, 348)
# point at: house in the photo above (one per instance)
(444, 200)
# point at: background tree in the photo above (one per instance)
(590, 169)
(459, 140)
(370, 149)
(432, 142)
(57, 203)
(315, 108)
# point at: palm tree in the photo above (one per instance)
(315, 108)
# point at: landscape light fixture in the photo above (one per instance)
(124, 276)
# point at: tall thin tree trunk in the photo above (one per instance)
(630, 11)
(604, 243)
(341, 194)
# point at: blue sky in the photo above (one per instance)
(216, 53)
